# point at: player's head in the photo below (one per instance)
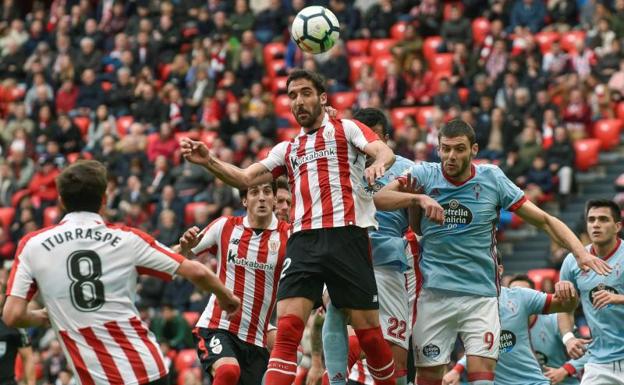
(522, 280)
(457, 146)
(604, 221)
(82, 186)
(283, 200)
(375, 119)
(307, 93)
(259, 200)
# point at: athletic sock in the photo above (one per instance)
(481, 378)
(401, 377)
(378, 355)
(355, 351)
(282, 366)
(227, 374)
(427, 381)
(335, 345)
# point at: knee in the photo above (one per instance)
(290, 327)
(228, 374)
(364, 319)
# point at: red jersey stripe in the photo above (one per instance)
(304, 185)
(291, 181)
(342, 148)
(142, 332)
(259, 283)
(228, 227)
(149, 239)
(153, 273)
(76, 358)
(277, 275)
(138, 367)
(322, 170)
(239, 277)
(106, 360)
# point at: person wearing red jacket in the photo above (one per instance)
(42, 186)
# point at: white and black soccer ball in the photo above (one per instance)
(315, 29)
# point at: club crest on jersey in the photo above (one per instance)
(456, 215)
(477, 190)
(274, 245)
(329, 133)
(599, 287)
(511, 306)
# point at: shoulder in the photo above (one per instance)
(490, 169)
(569, 264)
(35, 236)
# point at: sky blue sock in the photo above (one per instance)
(335, 345)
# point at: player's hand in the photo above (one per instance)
(410, 185)
(195, 151)
(602, 298)
(432, 209)
(565, 290)
(576, 347)
(315, 374)
(587, 261)
(229, 303)
(190, 239)
(555, 375)
(331, 111)
(451, 378)
(373, 172)
(40, 317)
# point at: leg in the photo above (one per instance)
(225, 371)
(335, 345)
(480, 370)
(218, 354)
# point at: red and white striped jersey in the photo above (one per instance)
(325, 169)
(250, 264)
(86, 271)
(360, 374)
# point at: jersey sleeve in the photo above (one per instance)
(21, 282)
(511, 197)
(358, 134)
(275, 162)
(575, 366)
(210, 238)
(420, 173)
(535, 302)
(154, 258)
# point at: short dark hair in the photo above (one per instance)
(243, 191)
(615, 209)
(455, 128)
(371, 117)
(522, 278)
(282, 183)
(82, 186)
(317, 80)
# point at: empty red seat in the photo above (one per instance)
(449, 6)
(287, 133)
(380, 47)
(608, 132)
(6, 217)
(358, 47)
(569, 40)
(278, 85)
(381, 65)
(276, 68)
(586, 151)
(263, 153)
(273, 51)
(82, 122)
(355, 66)
(163, 73)
(106, 86)
(194, 135)
(398, 30)
(480, 29)
(425, 114)
(343, 100)
(539, 275)
(152, 138)
(463, 93)
(397, 115)
(73, 157)
(123, 123)
(185, 359)
(282, 105)
(430, 46)
(51, 216)
(442, 63)
(545, 39)
(189, 211)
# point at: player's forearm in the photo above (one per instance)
(389, 200)
(618, 299)
(563, 236)
(316, 336)
(565, 321)
(414, 214)
(202, 277)
(228, 173)
(385, 157)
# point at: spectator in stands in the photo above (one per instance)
(420, 83)
(66, 97)
(88, 57)
(447, 96)
(563, 14)
(121, 95)
(457, 29)
(54, 363)
(512, 165)
(7, 185)
(429, 16)
(53, 151)
(7, 247)
(168, 200)
(378, 20)
(616, 82)
(165, 144)
(148, 109)
(271, 22)
(538, 180)
(168, 230)
(336, 69)
(67, 134)
(528, 14)
(556, 61)
(90, 94)
(560, 159)
(249, 71)
(177, 293)
(160, 178)
(17, 120)
(394, 86)
(242, 19)
(171, 328)
(263, 120)
(42, 186)
(529, 145)
(22, 166)
(189, 180)
(145, 54)
(496, 61)
(609, 63)
(576, 115)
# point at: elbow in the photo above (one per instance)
(10, 319)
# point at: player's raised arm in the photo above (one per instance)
(391, 198)
(198, 153)
(384, 158)
(562, 234)
(205, 279)
(561, 303)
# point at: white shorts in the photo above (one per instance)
(393, 306)
(411, 282)
(442, 317)
(604, 374)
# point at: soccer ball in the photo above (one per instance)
(315, 29)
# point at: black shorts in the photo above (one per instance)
(213, 344)
(339, 257)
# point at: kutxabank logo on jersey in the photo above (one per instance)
(456, 215)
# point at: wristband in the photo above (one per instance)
(567, 337)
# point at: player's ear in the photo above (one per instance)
(244, 201)
(323, 98)
(475, 149)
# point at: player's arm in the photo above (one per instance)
(384, 158)
(316, 365)
(16, 314)
(391, 198)
(28, 361)
(454, 375)
(202, 277)
(198, 153)
(563, 236)
(563, 304)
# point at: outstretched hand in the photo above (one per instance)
(195, 151)
(587, 261)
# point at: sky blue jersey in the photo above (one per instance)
(550, 350)
(388, 244)
(606, 324)
(459, 256)
(517, 365)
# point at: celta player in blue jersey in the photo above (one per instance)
(602, 297)
(458, 262)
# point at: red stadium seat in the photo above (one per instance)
(6, 217)
(463, 93)
(73, 157)
(539, 275)
(398, 30)
(191, 317)
(343, 100)
(430, 46)
(278, 85)
(480, 30)
(447, 9)
(152, 138)
(619, 112)
(263, 153)
(106, 86)
(273, 51)
(381, 65)
(381, 47)
(424, 114)
(189, 211)
(442, 63)
(185, 359)
(545, 40)
(164, 71)
(123, 123)
(276, 68)
(282, 105)
(82, 122)
(287, 133)
(397, 115)
(570, 39)
(358, 47)
(355, 66)
(586, 151)
(608, 132)
(51, 216)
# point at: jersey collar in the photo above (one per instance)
(617, 246)
(83, 216)
(323, 124)
(271, 227)
(473, 172)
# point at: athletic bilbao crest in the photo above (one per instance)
(329, 133)
(274, 246)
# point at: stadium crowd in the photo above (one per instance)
(123, 81)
